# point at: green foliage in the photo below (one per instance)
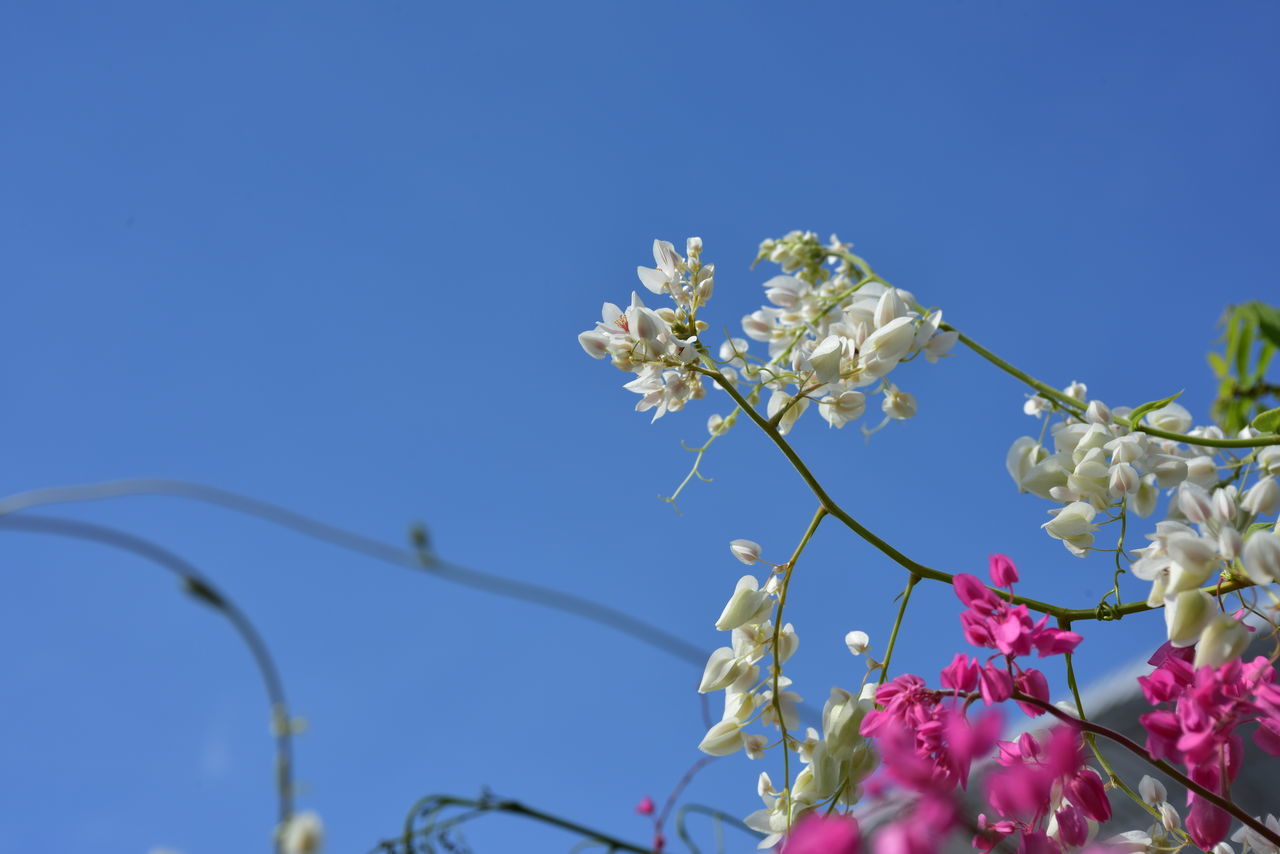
(1250, 338)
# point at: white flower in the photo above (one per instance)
(898, 404)
(1152, 790)
(839, 411)
(1263, 498)
(1261, 557)
(746, 551)
(1222, 640)
(1252, 840)
(1024, 454)
(1036, 405)
(1073, 525)
(1077, 390)
(825, 359)
(722, 739)
(303, 833)
(857, 641)
(1172, 418)
(1144, 503)
(722, 670)
(748, 604)
(669, 263)
(1185, 616)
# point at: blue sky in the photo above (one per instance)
(336, 256)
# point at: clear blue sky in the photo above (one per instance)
(336, 256)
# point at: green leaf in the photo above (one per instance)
(1267, 422)
(1136, 415)
(1268, 317)
(1218, 364)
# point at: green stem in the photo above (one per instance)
(1091, 738)
(790, 565)
(1212, 443)
(897, 624)
(1044, 388)
(1072, 614)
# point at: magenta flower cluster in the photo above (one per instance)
(1200, 730)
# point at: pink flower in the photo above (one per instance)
(819, 834)
(645, 807)
(1003, 572)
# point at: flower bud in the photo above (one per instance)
(825, 359)
(1269, 459)
(1169, 470)
(1263, 498)
(1152, 790)
(1194, 559)
(1073, 525)
(755, 745)
(1097, 413)
(1077, 390)
(1224, 505)
(889, 308)
(898, 404)
(723, 668)
(722, 739)
(1003, 572)
(1144, 503)
(1185, 616)
(1194, 502)
(746, 551)
(1024, 454)
(1123, 479)
(747, 604)
(1201, 470)
(1229, 542)
(1223, 640)
(857, 641)
(788, 642)
(302, 833)
(1169, 816)
(1172, 418)
(1261, 557)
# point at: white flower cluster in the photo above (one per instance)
(836, 761)
(1100, 465)
(831, 329)
(658, 345)
(831, 332)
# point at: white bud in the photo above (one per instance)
(746, 551)
(1202, 470)
(825, 359)
(1097, 413)
(788, 642)
(1169, 470)
(1224, 505)
(889, 308)
(1152, 790)
(1269, 459)
(1185, 616)
(693, 247)
(1229, 542)
(722, 670)
(1222, 848)
(1169, 816)
(1194, 502)
(1077, 390)
(722, 739)
(1172, 418)
(303, 833)
(1144, 503)
(1263, 498)
(1223, 640)
(1024, 454)
(747, 604)
(898, 404)
(1073, 525)
(1123, 480)
(1261, 557)
(714, 423)
(857, 641)
(755, 745)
